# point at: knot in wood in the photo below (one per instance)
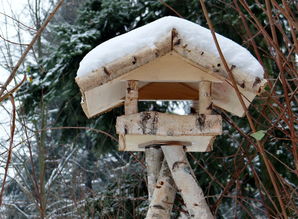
(134, 60)
(200, 121)
(257, 81)
(149, 123)
(177, 165)
(158, 207)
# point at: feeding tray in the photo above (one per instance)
(138, 130)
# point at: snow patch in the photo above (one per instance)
(193, 34)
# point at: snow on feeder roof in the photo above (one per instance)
(168, 57)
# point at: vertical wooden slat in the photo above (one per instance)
(130, 106)
(131, 98)
(205, 98)
(205, 103)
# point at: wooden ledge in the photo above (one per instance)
(163, 124)
(133, 142)
(168, 143)
(139, 130)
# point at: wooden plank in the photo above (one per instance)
(132, 142)
(125, 64)
(103, 98)
(163, 124)
(224, 97)
(171, 67)
(158, 143)
(167, 91)
(214, 65)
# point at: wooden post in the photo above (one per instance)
(186, 182)
(153, 157)
(131, 98)
(205, 103)
(130, 105)
(205, 99)
(164, 195)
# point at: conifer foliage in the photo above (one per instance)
(67, 166)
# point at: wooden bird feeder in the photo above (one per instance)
(170, 67)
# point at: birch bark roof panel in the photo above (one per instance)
(114, 59)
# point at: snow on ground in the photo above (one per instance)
(193, 34)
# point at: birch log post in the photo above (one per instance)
(153, 158)
(163, 196)
(186, 182)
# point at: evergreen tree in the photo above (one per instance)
(92, 179)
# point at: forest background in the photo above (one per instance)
(56, 163)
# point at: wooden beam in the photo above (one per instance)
(163, 124)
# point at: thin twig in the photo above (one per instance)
(12, 132)
(29, 47)
(260, 148)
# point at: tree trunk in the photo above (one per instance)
(186, 182)
(164, 195)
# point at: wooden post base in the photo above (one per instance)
(153, 158)
(163, 196)
(179, 174)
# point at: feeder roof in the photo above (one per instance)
(114, 59)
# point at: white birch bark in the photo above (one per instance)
(186, 182)
(164, 195)
(163, 124)
(205, 98)
(153, 157)
(131, 98)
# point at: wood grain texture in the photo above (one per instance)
(205, 98)
(162, 124)
(186, 182)
(153, 158)
(163, 196)
(131, 98)
(132, 142)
